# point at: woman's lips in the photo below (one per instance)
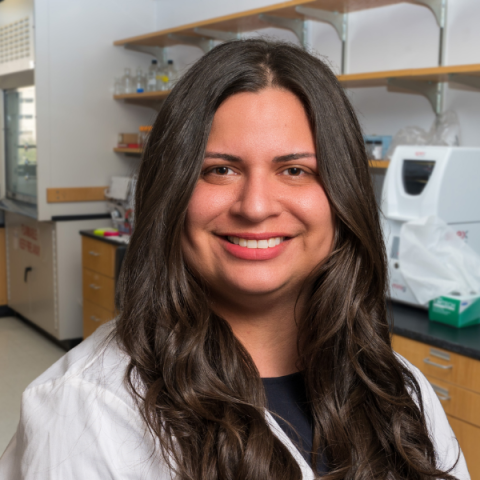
(245, 253)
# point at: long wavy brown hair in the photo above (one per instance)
(197, 387)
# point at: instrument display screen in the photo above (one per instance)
(416, 174)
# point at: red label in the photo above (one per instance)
(27, 245)
(397, 286)
(30, 232)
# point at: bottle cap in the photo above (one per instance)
(170, 62)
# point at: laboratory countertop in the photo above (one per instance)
(413, 323)
(117, 243)
(408, 322)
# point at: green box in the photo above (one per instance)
(456, 311)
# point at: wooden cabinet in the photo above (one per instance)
(3, 268)
(100, 267)
(456, 380)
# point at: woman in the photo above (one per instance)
(253, 340)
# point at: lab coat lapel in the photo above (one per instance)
(307, 472)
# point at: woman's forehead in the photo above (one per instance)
(268, 119)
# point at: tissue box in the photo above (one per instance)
(456, 311)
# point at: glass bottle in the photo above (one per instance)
(139, 81)
(118, 86)
(162, 79)
(152, 77)
(172, 75)
(127, 82)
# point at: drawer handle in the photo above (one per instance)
(433, 364)
(442, 393)
(94, 318)
(94, 287)
(93, 254)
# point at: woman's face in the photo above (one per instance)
(259, 220)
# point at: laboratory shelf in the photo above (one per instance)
(249, 20)
(139, 151)
(449, 73)
(147, 99)
(378, 163)
(130, 151)
(466, 75)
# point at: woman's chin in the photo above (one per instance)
(250, 288)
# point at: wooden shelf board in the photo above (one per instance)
(439, 74)
(352, 80)
(139, 151)
(132, 151)
(378, 163)
(145, 95)
(248, 20)
(144, 99)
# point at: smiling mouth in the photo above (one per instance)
(248, 243)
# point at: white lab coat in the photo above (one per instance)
(79, 422)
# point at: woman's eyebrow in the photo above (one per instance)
(279, 159)
(223, 156)
(292, 156)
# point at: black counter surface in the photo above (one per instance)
(408, 321)
(89, 233)
(413, 323)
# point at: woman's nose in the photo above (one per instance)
(257, 199)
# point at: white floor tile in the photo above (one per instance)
(24, 355)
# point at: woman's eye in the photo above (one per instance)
(293, 171)
(221, 171)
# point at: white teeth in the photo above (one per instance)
(267, 243)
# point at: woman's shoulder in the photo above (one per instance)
(78, 420)
(97, 361)
(447, 448)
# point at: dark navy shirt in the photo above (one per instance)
(287, 401)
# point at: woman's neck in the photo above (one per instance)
(268, 332)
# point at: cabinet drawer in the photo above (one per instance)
(93, 317)
(98, 256)
(457, 401)
(99, 289)
(468, 437)
(441, 364)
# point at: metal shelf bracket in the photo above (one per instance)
(157, 52)
(206, 44)
(433, 91)
(296, 25)
(339, 21)
(217, 34)
(468, 80)
(438, 7)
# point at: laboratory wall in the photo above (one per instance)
(78, 122)
(404, 35)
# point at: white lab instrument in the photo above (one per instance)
(423, 181)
